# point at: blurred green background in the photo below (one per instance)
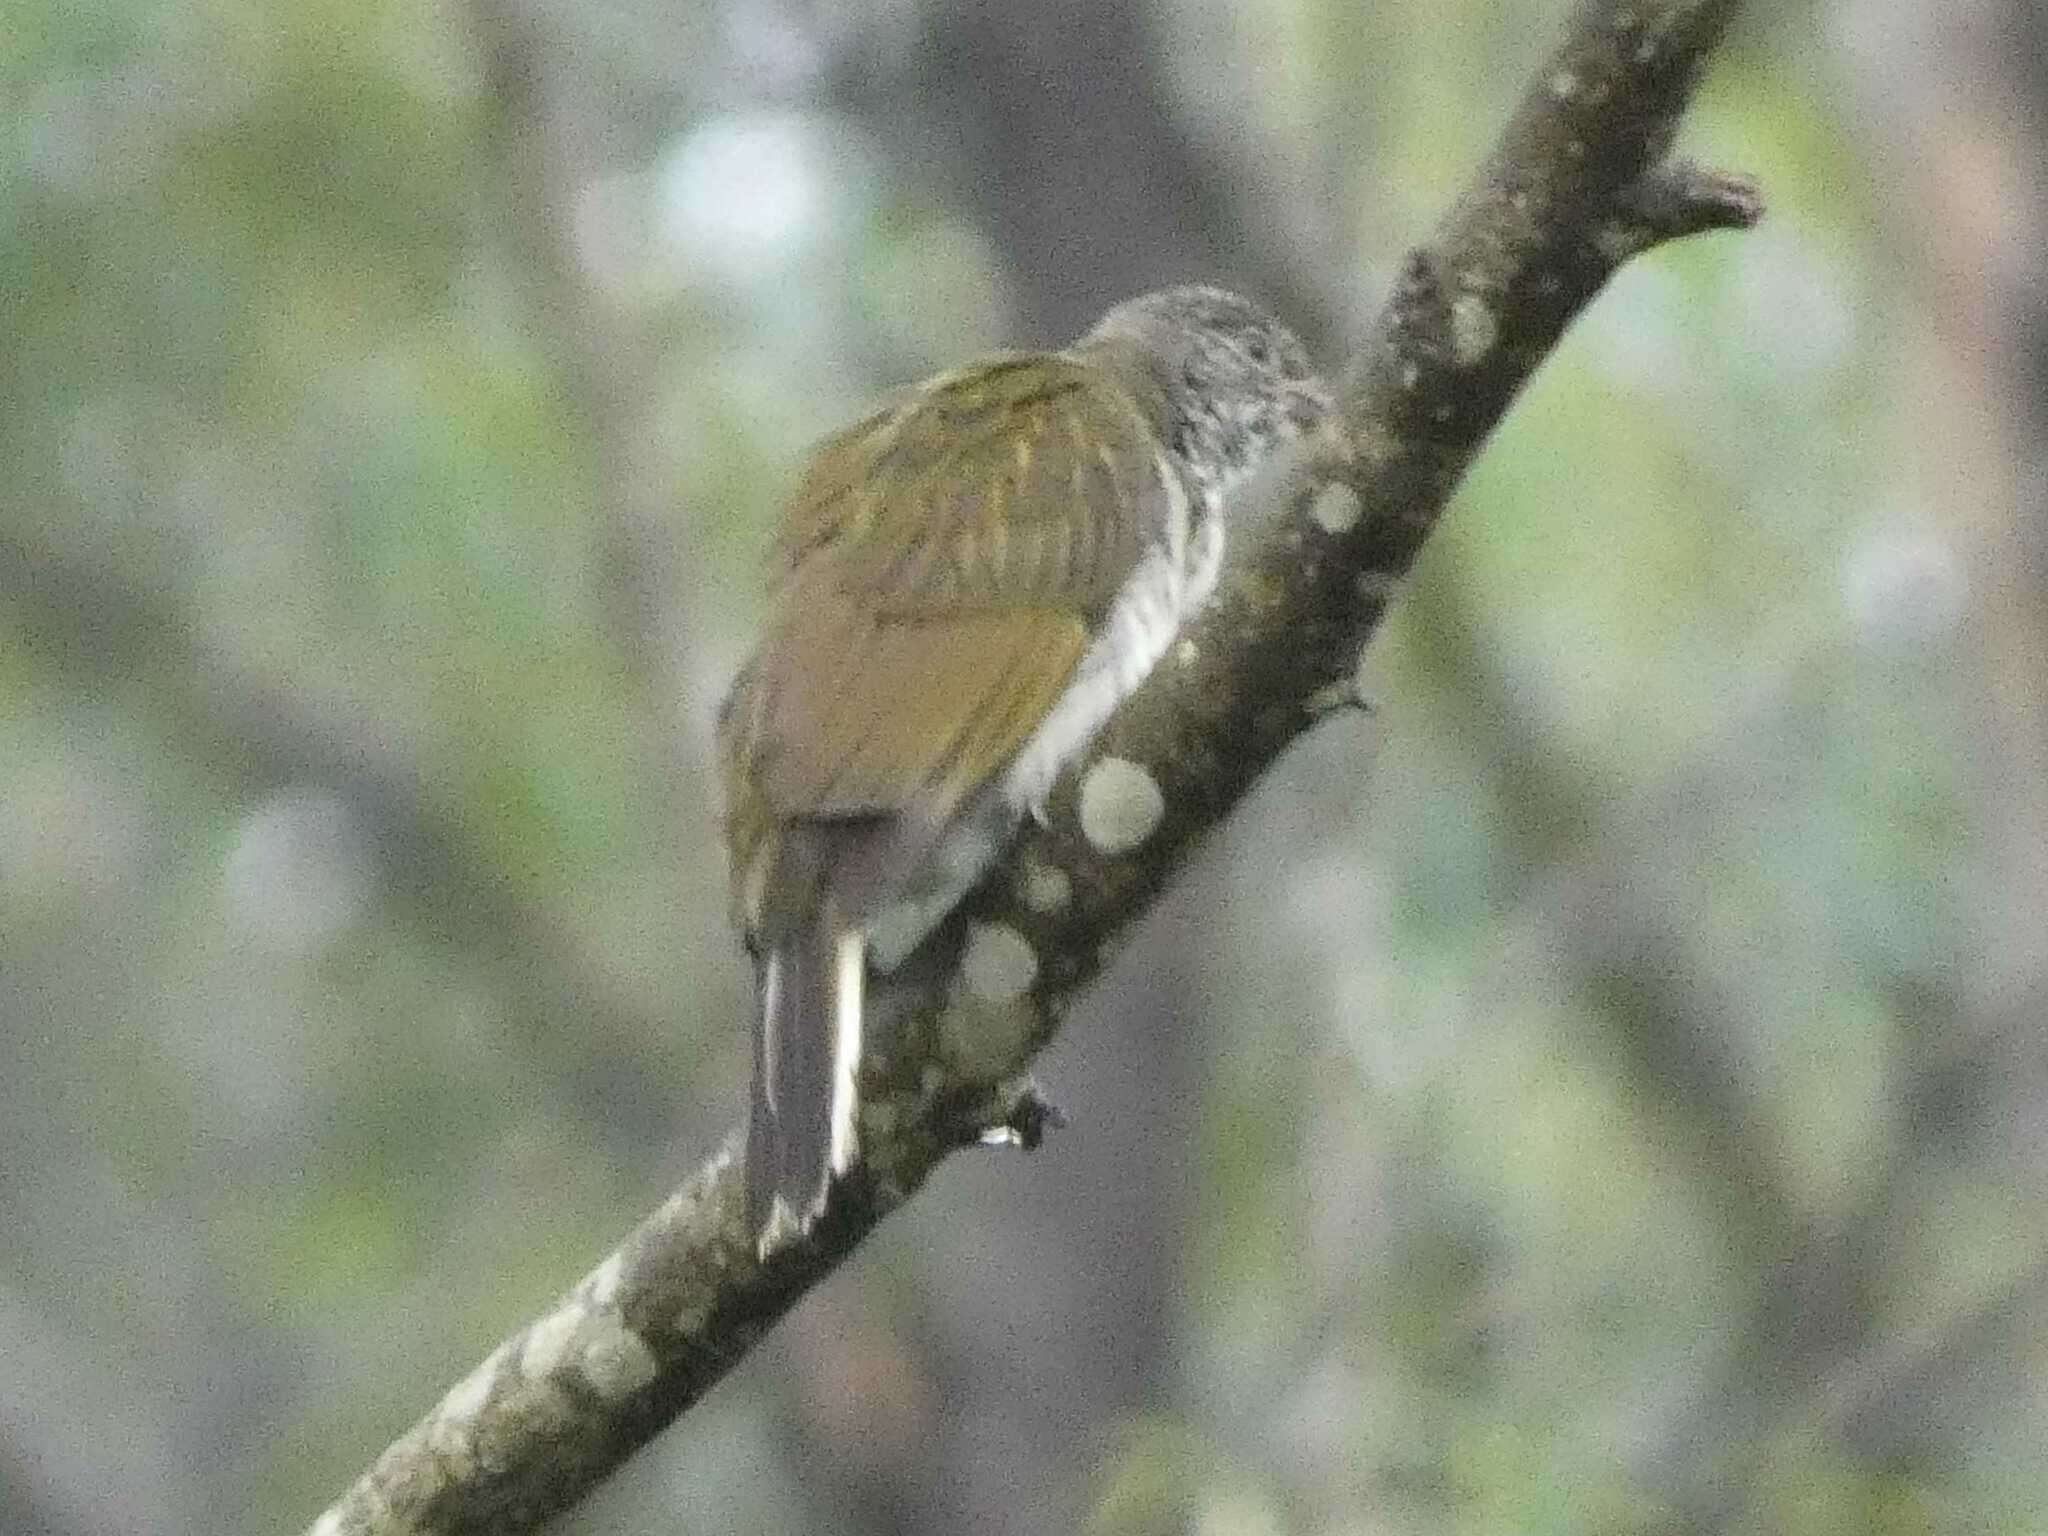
(1604, 1091)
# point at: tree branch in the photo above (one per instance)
(1577, 185)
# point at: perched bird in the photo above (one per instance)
(966, 584)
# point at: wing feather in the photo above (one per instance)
(1021, 480)
(860, 714)
(939, 571)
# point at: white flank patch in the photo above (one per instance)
(1121, 805)
(1170, 581)
(850, 956)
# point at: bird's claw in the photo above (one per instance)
(1024, 1124)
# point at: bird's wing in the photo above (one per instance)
(857, 714)
(942, 564)
(1028, 478)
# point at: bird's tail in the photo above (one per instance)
(807, 1045)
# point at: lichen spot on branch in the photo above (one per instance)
(1336, 508)
(1474, 330)
(1043, 887)
(999, 965)
(616, 1361)
(1121, 805)
(465, 1400)
(608, 1356)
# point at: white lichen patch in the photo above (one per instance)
(615, 1360)
(1000, 963)
(1336, 508)
(982, 1037)
(467, 1397)
(1474, 330)
(602, 1288)
(593, 1341)
(1044, 887)
(1564, 85)
(548, 1342)
(1185, 652)
(1121, 805)
(451, 1431)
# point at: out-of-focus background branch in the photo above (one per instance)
(1623, 1102)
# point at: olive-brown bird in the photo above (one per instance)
(966, 585)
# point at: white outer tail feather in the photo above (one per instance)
(771, 1000)
(789, 1213)
(850, 965)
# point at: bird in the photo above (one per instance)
(964, 585)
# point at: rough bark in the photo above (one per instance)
(1578, 184)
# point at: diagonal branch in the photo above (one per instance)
(1577, 185)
